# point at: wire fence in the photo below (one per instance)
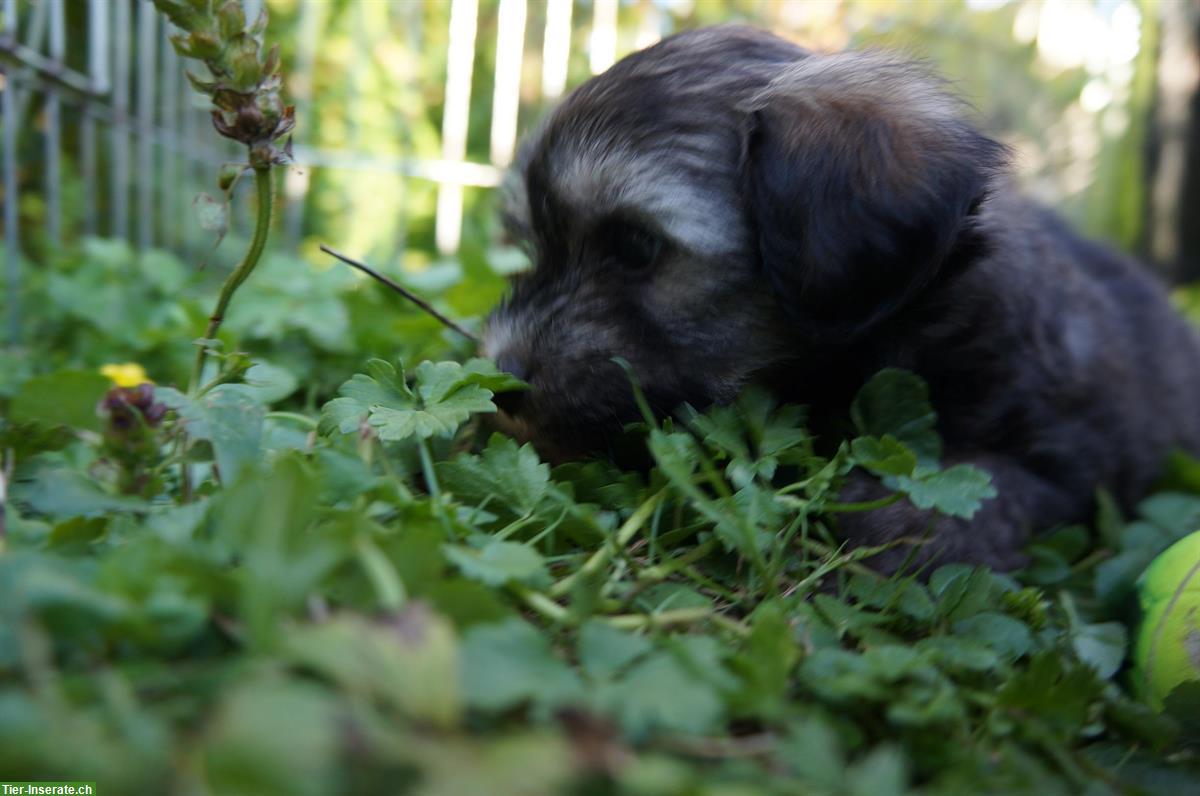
(114, 100)
(120, 89)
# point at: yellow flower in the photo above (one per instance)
(125, 374)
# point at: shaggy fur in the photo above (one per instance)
(725, 207)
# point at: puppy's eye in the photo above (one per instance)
(629, 245)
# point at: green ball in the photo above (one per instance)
(1167, 651)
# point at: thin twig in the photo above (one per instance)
(403, 291)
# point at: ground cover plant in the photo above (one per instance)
(297, 568)
(377, 595)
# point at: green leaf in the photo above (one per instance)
(958, 491)
(882, 772)
(750, 519)
(270, 519)
(383, 387)
(271, 735)
(446, 395)
(904, 596)
(510, 663)
(1060, 694)
(16, 367)
(509, 474)
(59, 592)
(677, 456)
(270, 383)
(815, 752)
(77, 532)
(896, 402)
(67, 397)
(1177, 515)
(953, 654)
(498, 563)
(402, 661)
(1141, 541)
(26, 439)
(483, 372)
(838, 675)
(998, 632)
(1102, 646)
(58, 492)
(961, 591)
(230, 417)
(671, 596)
(751, 434)
(660, 694)
(766, 662)
(883, 455)
(443, 419)
(604, 650)
(1183, 704)
(466, 602)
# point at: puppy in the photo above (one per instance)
(726, 207)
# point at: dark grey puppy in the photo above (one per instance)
(726, 207)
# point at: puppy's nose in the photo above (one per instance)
(511, 363)
(510, 402)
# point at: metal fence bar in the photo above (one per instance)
(53, 137)
(169, 188)
(187, 137)
(460, 62)
(649, 28)
(412, 22)
(358, 72)
(12, 247)
(556, 48)
(296, 180)
(119, 164)
(87, 169)
(603, 41)
(33, 47)
(97, 30)
(506, 94)
(146, 47)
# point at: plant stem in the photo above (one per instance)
(866, 505)
(679, 616)
(264, 186)
(541, 604)
(602, 556)
(667, 568)
(389, 588)
(304, 420)
(431, 482)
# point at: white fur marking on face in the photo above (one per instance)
(498, 336)
(603, 180)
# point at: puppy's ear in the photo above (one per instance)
(861, 178)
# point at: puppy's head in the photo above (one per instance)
(716, 205)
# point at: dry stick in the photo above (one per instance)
(403, 291)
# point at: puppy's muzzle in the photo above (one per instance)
(512, 402)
